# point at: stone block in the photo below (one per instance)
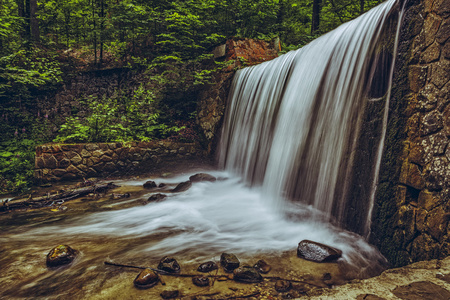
(76, 160)
(437, 223)
(106, 158)
(109, 167)
(431, 54)
(431, 123)
(410, 175)
(427, 200)
(417, 77)
(59, 172)
(39, 162)
(64, 163)
(444, 32)
(220, 51)
(85, 153)
(440, 73)
(51, 162)
(91, 147)
(97, 153)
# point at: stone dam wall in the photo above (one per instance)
(56, 162)
(412, 209)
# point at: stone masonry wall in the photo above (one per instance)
(55, 162)
(412, 211)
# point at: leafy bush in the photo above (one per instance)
(120, 118)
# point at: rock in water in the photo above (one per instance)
(61, 255)
(202, 177)
(262, 267)
(229, 262)
(149, 184)
(282, 286)
(156, 197)
(169, 264)
(146, 279)
(184, 186)
(317, 252)
(200, 281)
(207, 267)
(247, 274)
(170, 294)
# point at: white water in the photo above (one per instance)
(288, 130)
(293, 123)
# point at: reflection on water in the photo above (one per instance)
(196, 225)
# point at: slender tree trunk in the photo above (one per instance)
(317, 7)
(94, 32)
(102, 23)
(27, 20)
(34, 23)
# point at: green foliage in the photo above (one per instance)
(16, 164)
(121, 118)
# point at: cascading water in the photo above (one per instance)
(293, 123)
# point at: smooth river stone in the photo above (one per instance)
(317, 252)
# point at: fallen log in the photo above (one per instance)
(50, 199)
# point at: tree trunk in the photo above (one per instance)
(102, 23)
(317, 7)
(361, 6)
(34, 23)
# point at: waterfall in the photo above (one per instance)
(292, 124)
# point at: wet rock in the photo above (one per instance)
(229, 262)
(161, 185)
(149, 185)
(156, 197)
(170, 294)
(200, 281)
(207, 267)
(247, 274)
(182, 187)
(169, 264)
(146, 279)
(202, 177)
(421, 290)
(262, 267)
(61, 255)
(317, 252)
(282, 286)
(120, 196)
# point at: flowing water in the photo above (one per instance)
(290, 126)
(293, 123)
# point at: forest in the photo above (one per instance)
(44, 43)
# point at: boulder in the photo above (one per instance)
(149, 185)
(169, 265)
(247, 274)
(229, 262)
(207, 267)
(262, 267)
(146, 279)
(200, 281)
(202, 177)
(182, 187)
(61, 255)
(156, 197)
(317, 252)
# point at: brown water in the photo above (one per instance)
(28, 235)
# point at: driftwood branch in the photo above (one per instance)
(164, 272)
(50, 199)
